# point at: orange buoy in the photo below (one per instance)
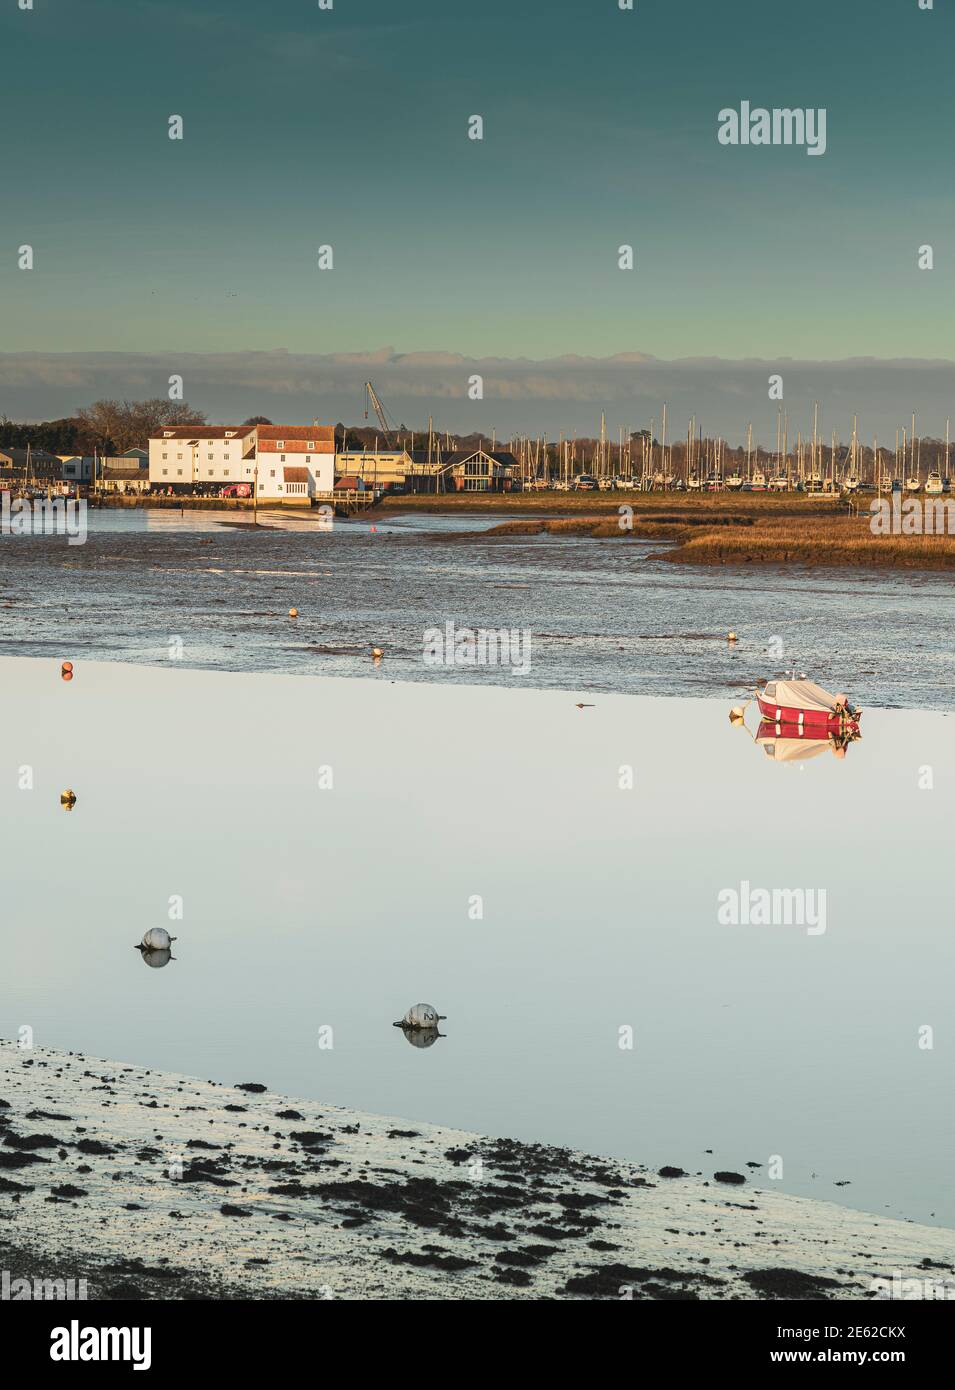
(66, 670)
(293, 612)
(68, 798)
(376, 653)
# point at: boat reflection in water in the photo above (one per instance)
(788, 743)
(422, 1037)
(156, 959)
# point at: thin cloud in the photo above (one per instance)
(566, 393)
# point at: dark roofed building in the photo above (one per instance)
(481, 470)
(35, 465)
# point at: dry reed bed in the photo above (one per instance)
(733, 538)
(819, 544)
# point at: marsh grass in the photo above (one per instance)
(846, 541)
(757, 536)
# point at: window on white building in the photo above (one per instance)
(166, 470)
(280, 444)
(283, 458)
(272, 473)
(311, 443)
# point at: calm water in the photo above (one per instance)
(604, 616)
(305, 907)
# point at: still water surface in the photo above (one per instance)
(306, 907)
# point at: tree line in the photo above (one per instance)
(107, 426)
(112, 427)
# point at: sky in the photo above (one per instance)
(348, 127)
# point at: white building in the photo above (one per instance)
(295, 460)
(76, 469)
(280, 462)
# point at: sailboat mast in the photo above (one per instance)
(815, 431)
(663, 442)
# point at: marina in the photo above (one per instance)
(353, 468)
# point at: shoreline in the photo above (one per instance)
(713, 529)
(282, 1198)
(739, 539)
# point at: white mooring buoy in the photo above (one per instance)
(420, 1016)
(156, 939)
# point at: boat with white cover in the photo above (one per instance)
(806, 705)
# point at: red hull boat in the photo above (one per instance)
(805, 705)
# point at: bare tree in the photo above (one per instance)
(121, 425)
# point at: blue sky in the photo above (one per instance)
(348, 127)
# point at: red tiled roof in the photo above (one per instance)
(322, 434)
